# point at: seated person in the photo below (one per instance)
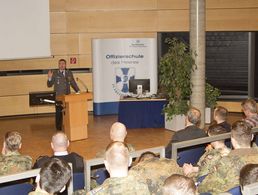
(179, 185)
(155, 170)
(53, 177)
(191, 131)
(224, 175)
(211, 156)
(121, 182)
(220, 116)
(117, 133)
(60, 144)
(249, 108)
(248, 175)
(11, 161)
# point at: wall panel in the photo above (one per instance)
(112, 21)
(58, 22)
(64, 44)
(83, 5)
(57, 5)
(86, 38)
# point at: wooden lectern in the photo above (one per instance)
(75, 115)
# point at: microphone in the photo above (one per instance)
(83, 84)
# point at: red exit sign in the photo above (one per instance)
(73, 60)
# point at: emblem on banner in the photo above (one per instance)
(122, 77)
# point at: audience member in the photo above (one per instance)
(249, 108)
(116, 161)
(225, 174)
(11, 161)
(53, 177)
(191, 131)
(179, 185)
(60, 144)
(155, 170)
(117, 133)
(248, 175)
(211, 156)
(220, 116)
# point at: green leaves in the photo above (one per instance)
(211, 95)
(175, 76)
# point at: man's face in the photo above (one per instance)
(62, 65)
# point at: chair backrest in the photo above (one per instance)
(14, 189)
(235, 191)
(251, 189)
(190, 155)
(78, 181)
(100, 161)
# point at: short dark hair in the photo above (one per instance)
(216, 129)
(62, 60)
(221, 112)
(248, 174)
(12, 140)
(242, 133)
(179, 184)
(147, 155)
(194, 116)
(54, 175)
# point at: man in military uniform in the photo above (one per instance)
(154, 170)
(116, 161)
(59, 145)
(11, 161)
(213, 154)
(250, 110)
(62, 79)
(53, 177)
(225, 174)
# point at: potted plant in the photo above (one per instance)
(175, 79)
(211, 96)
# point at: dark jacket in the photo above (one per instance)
(226, 126)
(189, 133)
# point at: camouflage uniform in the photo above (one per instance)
(225, 174)
(208, 160)
(130, 185)
(155, 171)
(14, 162)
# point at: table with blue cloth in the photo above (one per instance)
(141, 113)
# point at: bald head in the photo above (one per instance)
(117, 157)
(59, 142)
(118, 132)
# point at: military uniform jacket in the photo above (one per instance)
(14, 162)
(130, 185)
(225, 174)
(155, 171)
(208, 160)
(62, 82)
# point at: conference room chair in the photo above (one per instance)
(14, 189)
(78, 181)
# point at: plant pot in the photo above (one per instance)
(176, 123)
(207, 115)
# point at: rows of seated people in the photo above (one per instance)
(219, 167)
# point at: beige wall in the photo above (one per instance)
(75, 22)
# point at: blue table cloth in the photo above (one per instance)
(142, 113)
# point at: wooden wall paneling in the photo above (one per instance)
(57, 5)
(172, 4)
(86, 38)
(58, 22)
(82, 5)
(210, 4)
(112, 21)
(86, 78)
(19, 105)
(85, 61)
(173, 20)
(232, 19)
(64, 44)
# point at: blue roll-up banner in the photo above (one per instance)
(115, 62)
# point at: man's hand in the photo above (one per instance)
(188, 169)
(50, 74)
